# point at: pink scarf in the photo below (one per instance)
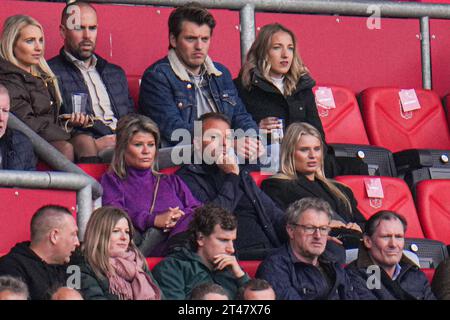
(130, 281)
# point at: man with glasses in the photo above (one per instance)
(301, 270)
(382, 271)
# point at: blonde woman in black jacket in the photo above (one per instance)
(301, 175)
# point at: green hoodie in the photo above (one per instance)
(183, 270)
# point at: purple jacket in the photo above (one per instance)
(134, 194)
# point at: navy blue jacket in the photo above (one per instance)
(71, 80)
(209, 184)
(171, 102)
(413, 281)
(17, 151)
(294, 280)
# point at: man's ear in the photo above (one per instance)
(200, 239)
(62, 31)
(54, 235)
(290, 231)
(367, 242)
(172, 40)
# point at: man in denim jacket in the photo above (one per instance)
(181, 87)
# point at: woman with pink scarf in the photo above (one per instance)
(113, 267)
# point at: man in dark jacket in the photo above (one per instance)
(16, 150)
(209, 259)
(382, 271)
(219, 179)
(179, 88)
(43, 263)
(88, 83)
(300, 270)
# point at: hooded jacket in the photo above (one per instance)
(41, 278)
(183, 270)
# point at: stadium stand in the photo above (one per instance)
(419, 153)
(346, 134)
(398, 198)
(326, 43)
(433, 205)
(19, 205)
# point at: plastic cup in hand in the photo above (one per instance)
(79, 102)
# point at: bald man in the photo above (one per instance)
(66, 293)
(42, 263)
(16, 150)
(89, 81)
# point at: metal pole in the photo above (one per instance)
(84, 209)
(55, 180)
(50, 155)
(390, 9)
(247, 28)
(426, 52)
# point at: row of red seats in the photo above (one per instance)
(430, 220)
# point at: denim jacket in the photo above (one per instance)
(167, 95)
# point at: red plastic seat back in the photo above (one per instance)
(153, 261)
(259, 177)
(429, 273)
(433, 207)
(344, 123)
(397, 198)
(170, 170)
(387, 126)
(133, 86)
(19, 205)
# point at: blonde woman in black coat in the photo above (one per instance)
(301, 175)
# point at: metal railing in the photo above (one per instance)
(51, 156)
(55, 180)
(423, 11)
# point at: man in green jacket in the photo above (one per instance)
(212, 232)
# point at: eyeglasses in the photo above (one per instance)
(310, 230)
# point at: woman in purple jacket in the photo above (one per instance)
(159, 205)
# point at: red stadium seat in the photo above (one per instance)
(387, 126)
(170, 170)
(133, 86)
(259, 177)
(433, 207)
(153, 261)
(429, 272)
(397, 198)
(19, 205)
(344, 123)
(95, 170)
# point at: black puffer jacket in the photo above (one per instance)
(41, 278)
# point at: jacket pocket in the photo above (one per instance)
(229, 97)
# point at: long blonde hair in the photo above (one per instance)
(258, 59)
(97, 236)
(9, 37)
(287, 161)
(127, 127)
